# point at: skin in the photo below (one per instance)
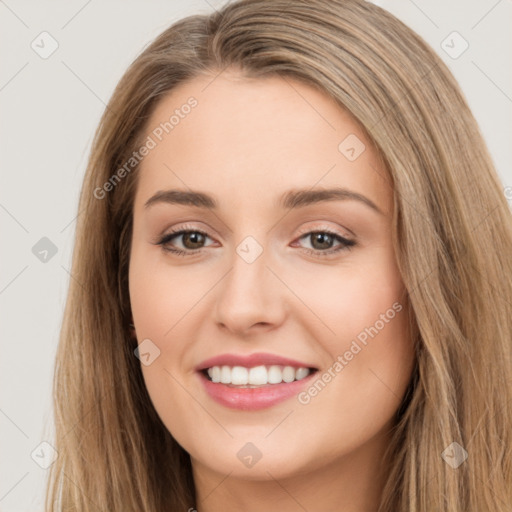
(246, 143)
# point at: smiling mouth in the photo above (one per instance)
(256, 376)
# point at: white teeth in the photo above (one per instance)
(288, 374)
(214, 374)
(239, 375)
(257, 375)
(301, 373)
(225, 375)
(275, 375)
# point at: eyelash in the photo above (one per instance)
(346, 244)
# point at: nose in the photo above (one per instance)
(250, 298)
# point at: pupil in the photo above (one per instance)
(322, 237)
(194, 238)
(324, 240)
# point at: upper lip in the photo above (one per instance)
(251, 360)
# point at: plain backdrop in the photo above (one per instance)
(50, 108)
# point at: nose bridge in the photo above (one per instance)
(249, 294)
(248, 280)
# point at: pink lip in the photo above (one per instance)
(253, 399)
(251, 360)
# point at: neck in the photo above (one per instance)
(351, 483)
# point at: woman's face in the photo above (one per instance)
(286, 294)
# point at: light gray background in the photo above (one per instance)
(49, 111)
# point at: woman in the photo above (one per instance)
(291, 278)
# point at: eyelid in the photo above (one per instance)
(302, 231)
(179, 229)
(347, 242)
(328, 229)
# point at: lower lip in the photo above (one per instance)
(253, 399)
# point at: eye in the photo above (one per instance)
(192, 240)
(321, 242)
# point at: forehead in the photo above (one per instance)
(246, 139)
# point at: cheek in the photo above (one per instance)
(356, 300)
(161, 302)
(157, 303)
(161, 295)
(368, 342)
(360, 390)
(338, 306)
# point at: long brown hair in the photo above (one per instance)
(453, 243)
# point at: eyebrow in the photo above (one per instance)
(296, 198)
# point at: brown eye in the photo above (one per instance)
(321, 243)
(192, 239)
